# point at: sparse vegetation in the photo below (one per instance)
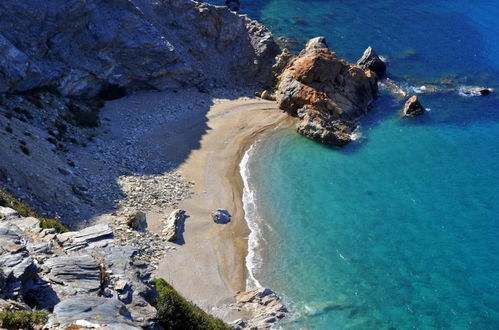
(23, 319)
(83, 118)
(7, 200)
(175, 312)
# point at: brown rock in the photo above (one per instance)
(329, 88)
(412, 107)
(324, 129)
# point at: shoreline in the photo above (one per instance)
(210, 268)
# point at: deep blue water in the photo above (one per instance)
(399, 230)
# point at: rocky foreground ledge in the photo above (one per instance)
(86, 280)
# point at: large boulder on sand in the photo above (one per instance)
(324, 88)
(413, 107)
(221, 216)
(371, 61)
(174, 224)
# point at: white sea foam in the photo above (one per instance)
(356, 135)
(253, 259)
(470, 91)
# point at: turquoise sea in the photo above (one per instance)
(400, 229)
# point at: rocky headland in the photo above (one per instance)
(327, 93)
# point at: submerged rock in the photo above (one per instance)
(371, 61)
(233, 5)
(413, 107)
(329, 93)
(485, 91)
(221, 216)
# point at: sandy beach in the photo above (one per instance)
(210, 267)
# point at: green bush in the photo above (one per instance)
(7, 200)
(23, 319)
(175, 312)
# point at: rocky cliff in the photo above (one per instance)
(80, 276)
(325, 92)
(83, 47)
(98, 277)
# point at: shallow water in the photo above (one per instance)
(399, 229)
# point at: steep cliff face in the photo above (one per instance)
(81, 46)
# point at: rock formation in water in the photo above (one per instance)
(371, 61)
(413, 107)
(325, 92)
(83, 47)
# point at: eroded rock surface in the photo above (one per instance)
(371, 61)
(413, 107)
(327, 93)
(174, 225)
(86, 47)
(265, 306)
(74, 274)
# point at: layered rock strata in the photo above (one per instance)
(80, 276)
(86, 279)
(325, 92)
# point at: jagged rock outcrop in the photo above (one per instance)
(174, 225)
(74, 274)
(371, 61)
(92, 312)
(264, 304)
(413, 107)
(327, 93)
(83, 47)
